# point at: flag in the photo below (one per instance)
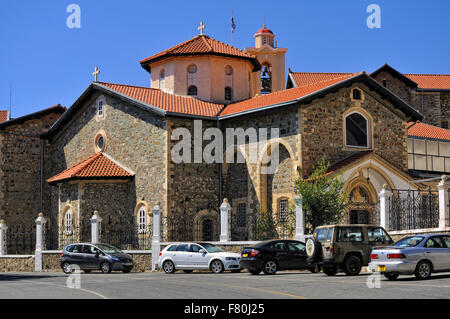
(233, 25)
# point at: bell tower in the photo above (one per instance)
(271, 78)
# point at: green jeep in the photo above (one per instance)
(344, 247)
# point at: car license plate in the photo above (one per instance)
(245, 255)
(128, 264)
(381, 268)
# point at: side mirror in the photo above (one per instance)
(202, 251)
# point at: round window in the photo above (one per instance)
(99, 143)
(192, 69)
(228, 70)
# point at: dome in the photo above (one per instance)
(264, 30)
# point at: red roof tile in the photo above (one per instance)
(431, 81)
(97, 166)
(165, 101)
(419, 129)
(4, 116)
(202, 45)
(308, 78)
(282, 96)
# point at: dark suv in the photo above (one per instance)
(95, 256)
(345, 247)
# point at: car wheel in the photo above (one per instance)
(169, 267)
(391, 275)
(187, 271)
(352, 265)
(87, 271)
(313, 250)
(236, 271)
(330, 270)
(423, 270)
(105, 267)
(270, 267)
(67, 268)
(217, 266)
(255, 272)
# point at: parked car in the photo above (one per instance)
(344, 247)
(419, 255)
(95, 256)
(273, 255)
(197, 256)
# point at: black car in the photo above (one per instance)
(273, 255)
(95, 256)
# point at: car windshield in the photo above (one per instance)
(109, 249)
(210, 248)
(409, 241)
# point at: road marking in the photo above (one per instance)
(56, 285)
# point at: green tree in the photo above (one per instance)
(323, 199)
(266, 226)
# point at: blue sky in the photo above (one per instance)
(49, 63)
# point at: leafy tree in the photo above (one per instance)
(322, 196)
(266, 226)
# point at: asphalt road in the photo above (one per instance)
(154, 285)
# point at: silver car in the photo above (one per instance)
(420, 255)
(197, 256)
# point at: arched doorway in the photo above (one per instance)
(362, 206)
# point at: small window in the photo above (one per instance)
(100, 109)
(182, 247)
(228, 70)
(228, 93)
(194, 248)
(446, 240)
(68, 222)
(142, 220)
(378, 235)
(192, 90)
(99, 142)
(207, 229)
(172, 248)
(296, 247)
(356, 94)
(356, 130)
(284, 210)
(434, 242)
(321, 234)
(278, 246)
(384, 83)
(192, 69)
(350, 234)
(77, 249)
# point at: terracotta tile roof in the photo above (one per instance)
(431, 81)
(308, 78)
(423, 130)
(97, 166)
(165, 101)
(202, 45)
(282, 96)
(4, 116)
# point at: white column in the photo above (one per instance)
(384, 194)
(444, 216)
(156, 244)
(299, 219)
(225, 211)
(96, 228)
(40, 224)
(3, 243)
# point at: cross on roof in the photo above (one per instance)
(96, 73)
(201, 28)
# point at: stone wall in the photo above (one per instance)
(445, 108)
(133, 137)
(323, 129)
(16, 263)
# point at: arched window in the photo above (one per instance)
(142, 220)
(266, 78)
(68, 222)
(356, 130)
(356, 94)
(192, 90)
(162, 79)
(207, 230)
(228, 93)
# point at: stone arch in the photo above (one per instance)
(149, 216)
(199, 225)
(62, 214)
(366, 115)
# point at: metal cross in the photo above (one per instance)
(96, 73)
(201, 27)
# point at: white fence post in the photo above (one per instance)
(40, 223)
(384, 207)
(299, 219)
(225, 210)
(96, 228)
(156, 244)
(3, 243)
(444, 216)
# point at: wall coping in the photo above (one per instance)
(419, 231)
(17, 256)
(125, 251)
